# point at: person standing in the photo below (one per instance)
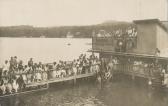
(20, 66)
(54, 66)
(15, 62)
(12, 66)
(5, 68)
(30, 62)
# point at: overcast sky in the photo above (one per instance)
(78, 12)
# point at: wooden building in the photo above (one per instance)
(152, 35)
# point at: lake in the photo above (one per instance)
(121, 92)
(46, 50)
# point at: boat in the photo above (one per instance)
(69, 44)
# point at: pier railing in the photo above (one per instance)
(136, 70)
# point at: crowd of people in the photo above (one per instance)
(15, 75)
(123, 39)
(146, 68)
(128, 32)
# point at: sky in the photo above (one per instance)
(42, 13)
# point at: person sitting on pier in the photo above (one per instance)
(44, 72)
(38, 74)
(25, 74)
(63, 72)
(29, 74)
(21, 83)
(9, 85)
(2, 87)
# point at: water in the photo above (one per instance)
(45, 50)
(117, 93)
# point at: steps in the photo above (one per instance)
(157, 81)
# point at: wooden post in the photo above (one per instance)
(133, 74)
(74, 80)
(48, 85)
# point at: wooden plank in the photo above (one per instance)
(50, 81)
(23, 92)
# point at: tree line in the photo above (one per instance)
(61, 31)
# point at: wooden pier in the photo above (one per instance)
(49, 81)
(56, 80)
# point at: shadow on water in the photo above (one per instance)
(119, 92)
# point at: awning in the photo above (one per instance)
(129, 54)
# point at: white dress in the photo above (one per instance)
(166, 80)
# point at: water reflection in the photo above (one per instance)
(118, 93)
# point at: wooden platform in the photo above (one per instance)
(23, 92)
(47, 82)
(55, 80)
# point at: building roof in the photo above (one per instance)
(162, 24)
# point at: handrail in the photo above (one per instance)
(140, 71)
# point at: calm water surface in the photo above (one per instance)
(118, 93)
(43, 49)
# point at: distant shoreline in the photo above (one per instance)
(48, 37)
(26, 31)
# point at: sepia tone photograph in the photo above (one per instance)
(83, 52)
